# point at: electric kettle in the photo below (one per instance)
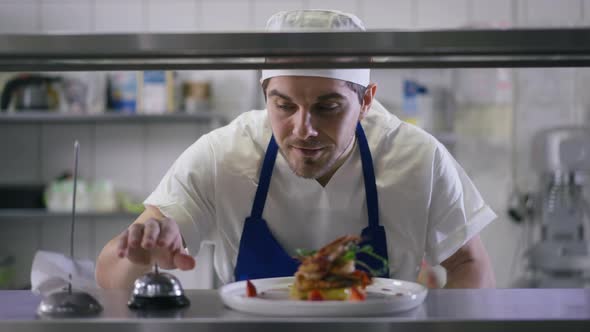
(31, 92)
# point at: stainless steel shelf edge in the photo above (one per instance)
(38, 117)
(257, 50)
(13, 214)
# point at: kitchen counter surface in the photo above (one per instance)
(443, 310)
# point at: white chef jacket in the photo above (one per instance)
(427, 204)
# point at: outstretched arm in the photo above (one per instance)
(470, 267)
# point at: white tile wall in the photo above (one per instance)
(164, 143)
(230, 15)
(235, 91)
(120, 157)
(547, 86)
(57, 150)
(348, 6)
(171, 15)
(549, 13)
(55, 236)
(582, 97)
(390, 86)
(497, 13)
(585, 12)
(435, 78)
(483, 85)
(66, 16)
(435, 14)
(387, 14)
(19, 16)
(114, 16)
(20, 150)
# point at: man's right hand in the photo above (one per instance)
(154, 241)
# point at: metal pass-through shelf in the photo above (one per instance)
(42, 214)
(258, 50)
(211, 117)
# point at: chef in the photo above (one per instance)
(324, 159)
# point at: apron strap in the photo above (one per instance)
(369, 177)
(264, 179)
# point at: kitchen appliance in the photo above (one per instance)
(22, 196)
(157, 290)
(29, 92)
(68, 303)
(559, 210)
(7, 271)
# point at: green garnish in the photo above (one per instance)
(299, 252)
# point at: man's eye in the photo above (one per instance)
(286, 107)
(327, 108)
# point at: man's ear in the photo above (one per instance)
(368, 99)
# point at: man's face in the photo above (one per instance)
(313, 120)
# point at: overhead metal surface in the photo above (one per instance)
(259, 50)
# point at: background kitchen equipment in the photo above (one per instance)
(557, 213)
(32, 92)
(149, 92)
(7, 271)
(93, 196)
(23, 196)
(85, 92)
(156, 92)
(196, 96)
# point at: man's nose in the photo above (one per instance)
(303, 128)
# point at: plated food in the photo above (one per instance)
(384, 297)
(329, 273)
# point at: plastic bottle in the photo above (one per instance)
(416, 108)
(123, 92)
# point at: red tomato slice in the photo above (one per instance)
(315, 295)
(250, 289)
(357, 295)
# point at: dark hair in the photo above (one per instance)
(356, 88)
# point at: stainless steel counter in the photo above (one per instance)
(443, 310)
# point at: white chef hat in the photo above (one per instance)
(317, 20)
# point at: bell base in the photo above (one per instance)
(66, 304)
(158, 302)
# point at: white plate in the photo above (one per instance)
(384, 296)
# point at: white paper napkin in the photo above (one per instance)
(50, 273)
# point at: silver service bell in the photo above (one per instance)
(69, 304)
(157, 290)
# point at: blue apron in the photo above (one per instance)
(261, 256)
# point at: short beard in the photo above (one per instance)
(324, 169)
(315, 175)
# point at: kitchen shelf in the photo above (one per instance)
(12, 214)
(555, 47)
(45, 117)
